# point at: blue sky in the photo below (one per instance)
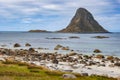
(24, 15)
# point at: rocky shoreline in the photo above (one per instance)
(94, 64)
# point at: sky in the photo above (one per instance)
(52, 15)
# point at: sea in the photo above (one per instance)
(85, 44)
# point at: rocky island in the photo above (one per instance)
(83, 22)
(38, 31)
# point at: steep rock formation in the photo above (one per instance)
(83, 22)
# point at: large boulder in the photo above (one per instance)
(68, 76)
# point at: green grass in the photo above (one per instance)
(23, 71)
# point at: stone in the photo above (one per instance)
(17, 45)
(84, 74)
(31, 49)
(97, 51)
(100, 56)
(65, 48)
(111, 65)
(55, 61)
(103, 65)
(27, 44)
(58, 47)
(72, 54)
(117, 64)
(110, 57)
(68, 76)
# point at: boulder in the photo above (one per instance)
(72, 54)
(117, 64)
(58, 47)
(17, 45)
(97, 51)
(110, 57)
(100, 56)
(31, 49)
(27, 44)
(68, 76)
(84, 74)
(65, 48)
(55, 61)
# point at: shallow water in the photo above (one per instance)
(86, 44)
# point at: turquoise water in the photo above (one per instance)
(86, 44)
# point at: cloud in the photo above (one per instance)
(52, 12)
(111, 22)
(36, 6)
(30, 20)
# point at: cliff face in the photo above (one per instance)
(83, 22)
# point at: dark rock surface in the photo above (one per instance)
(27, 44)
(100, 37)
(17, 45)
(83, 22)
(38, 31)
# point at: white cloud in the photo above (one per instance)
(17, 9)
(28, 7)
(111, 22)
(30, 20)
(51, 7)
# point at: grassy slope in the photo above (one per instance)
(20, 71)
